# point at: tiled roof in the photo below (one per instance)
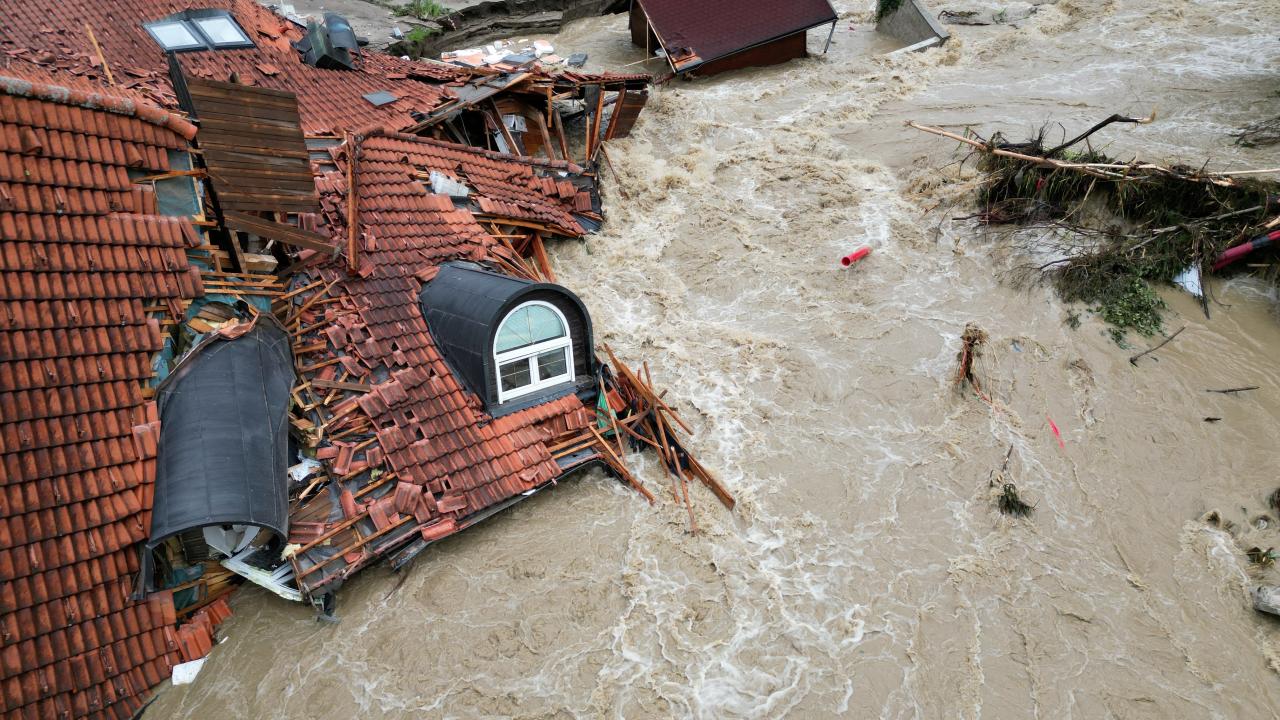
(47, 40)
(82, 252)
(505, 186)
(712, 29)
(449, 458)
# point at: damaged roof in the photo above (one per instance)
(83, 255)
(515, 188)
(49, 40)
(93, 278)
(712, 29)
(443, 457)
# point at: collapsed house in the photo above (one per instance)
(705, 37)
(276, 308)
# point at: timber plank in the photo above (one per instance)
(287, 234)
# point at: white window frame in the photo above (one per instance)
(240, 42)
(529, 353)
(198, 41)
(190, 21)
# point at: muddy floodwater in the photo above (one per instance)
(866, 571)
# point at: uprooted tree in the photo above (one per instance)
(1123, 226)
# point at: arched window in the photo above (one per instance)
(532, 350)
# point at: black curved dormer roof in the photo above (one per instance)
(223, 456)
(463, 306)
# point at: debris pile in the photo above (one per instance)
(511, 55)
(1123, 227)
(972, 342)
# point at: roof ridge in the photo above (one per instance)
(119, 105)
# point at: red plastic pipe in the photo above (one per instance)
(1231, 255)
(855, 256)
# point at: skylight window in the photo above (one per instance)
(222, 31)
(174, 35)
(198, 30)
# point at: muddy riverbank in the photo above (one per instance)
(866, 571)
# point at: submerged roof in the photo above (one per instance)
(83, 253)
(89, 271)
(712, 29)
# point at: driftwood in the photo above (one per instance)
(1134, 359)
(648, 421)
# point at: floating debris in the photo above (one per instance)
(972, 342)
(1010, 503)
(1258, 556)
(505, 55)
(1266, 598)
(1124, 226)
(1259, 134)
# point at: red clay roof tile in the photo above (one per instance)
(330, 101)
(75, 270)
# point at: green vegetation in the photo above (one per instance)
(419, 35)
(1132, 304)
(425, 9)
(1119, 231)
(884, 8)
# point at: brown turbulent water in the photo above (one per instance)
(866, 572)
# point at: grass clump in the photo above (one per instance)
(1130, 304)
(419, 35)
(885, 8)
(425, 9)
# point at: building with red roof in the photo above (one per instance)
(710, 36)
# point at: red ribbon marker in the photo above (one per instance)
(1054, 428)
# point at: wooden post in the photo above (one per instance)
(586, 120)
(102, 58)
(512, 148)
(595, 136)
(546, 136)
(540, 254)
(353, 220)
(617, 113)
(564, 144)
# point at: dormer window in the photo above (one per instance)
(532, 350)
(198, 30)
(512, 342)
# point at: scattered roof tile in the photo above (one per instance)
(49, 43)
(450, 458)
